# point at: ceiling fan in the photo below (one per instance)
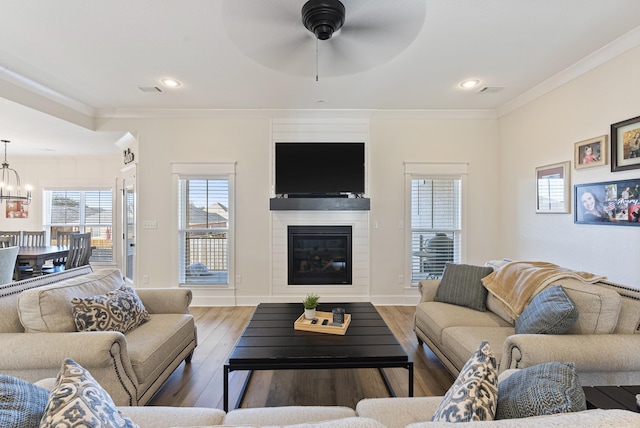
(351, 35)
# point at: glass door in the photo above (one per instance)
(129, 227)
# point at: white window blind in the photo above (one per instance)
(435, 225)
(204, 225)
(83, 211)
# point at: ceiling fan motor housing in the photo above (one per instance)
(323, 17)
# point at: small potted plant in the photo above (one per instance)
(310, 304)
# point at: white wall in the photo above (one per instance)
(245, 138)
(544, 132)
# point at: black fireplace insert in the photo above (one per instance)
(319, 255)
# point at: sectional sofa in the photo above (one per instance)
(603, 341)
(38, 331)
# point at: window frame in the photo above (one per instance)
(82, 225)
(204, 171)
(433, 171)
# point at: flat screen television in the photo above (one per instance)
(305, 169)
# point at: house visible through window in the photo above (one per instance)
(204, 225)
(82, 211)
(435, 226)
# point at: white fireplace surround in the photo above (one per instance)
(358, 220)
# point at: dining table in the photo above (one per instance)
(36, 257)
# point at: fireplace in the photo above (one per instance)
(319, 255)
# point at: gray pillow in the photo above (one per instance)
(544, 389)
(22, 403)
(550, 312)
(461, 285)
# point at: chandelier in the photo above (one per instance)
(10, 190)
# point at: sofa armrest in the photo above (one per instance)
(428, 289)
(601, 359)
(165, 300)
(35, 356)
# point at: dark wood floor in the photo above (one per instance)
(200, 383)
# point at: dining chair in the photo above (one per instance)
(8, 256)
(32, 239)
(15, 237)
(79, 250)
(63, 237)
(5, 241)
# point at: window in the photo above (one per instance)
(435, 225)
(83, 211)
(203, 230)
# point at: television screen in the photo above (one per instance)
(319, 168)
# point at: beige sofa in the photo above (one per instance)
(37, 333)
(603, 342)
(412, 412)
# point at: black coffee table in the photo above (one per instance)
(612, 397)
(269, 342)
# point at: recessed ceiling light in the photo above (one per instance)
(470, 83)
(171, 83)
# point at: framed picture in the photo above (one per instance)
(553, 188)
(589, 153)
(625, 145)
(609, 202)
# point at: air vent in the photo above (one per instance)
(149, 89)
(489, 89)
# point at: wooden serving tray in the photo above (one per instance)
(304, 324)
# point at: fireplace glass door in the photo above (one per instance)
(319, 255)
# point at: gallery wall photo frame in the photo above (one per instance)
(553, 188)
(625, 145)
(608, 202)
(591, 152)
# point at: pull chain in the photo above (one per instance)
(316, 59)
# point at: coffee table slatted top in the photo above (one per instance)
(270, 338)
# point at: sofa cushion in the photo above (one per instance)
(287, 415)
(22, 403)
(434, 317)
(598, 307)
(9, 294)
(119, 310)
(543, 389)
(461, 285)
(550, 312)
(78, 400)
(48, 309)
(474, 394)
(460, 342)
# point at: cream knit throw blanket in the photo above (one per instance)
(516, 283)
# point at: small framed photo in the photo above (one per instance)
(590, 153)
(553, 191)
(625, 145)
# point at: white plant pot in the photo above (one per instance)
(309, 314)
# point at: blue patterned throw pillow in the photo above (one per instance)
(119, 310)
(550, 312)
(78, 400)
(474, 394)
(22, 403)
(543, 389)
